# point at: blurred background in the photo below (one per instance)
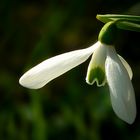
(66, 108)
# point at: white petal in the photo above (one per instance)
(51, 68)
(127, 66)
(121, 89)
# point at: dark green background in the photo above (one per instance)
(67, 108)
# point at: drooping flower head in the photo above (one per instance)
(106, 66)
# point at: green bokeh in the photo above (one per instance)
(67, 108)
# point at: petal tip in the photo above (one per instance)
(27, 82)
(23, 82)
(130, 120)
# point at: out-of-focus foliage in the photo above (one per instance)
(67, 108)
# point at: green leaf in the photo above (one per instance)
(125, 25)
(113, 17)
(125, 22)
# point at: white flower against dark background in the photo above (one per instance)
(106, 66)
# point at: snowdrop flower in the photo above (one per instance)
(105, 67)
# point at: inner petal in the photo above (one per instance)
(96, 68)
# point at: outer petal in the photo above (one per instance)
(127, 66)
(51, 68)
(121, 89)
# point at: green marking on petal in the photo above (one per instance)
(97, 74)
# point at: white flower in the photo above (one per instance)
(105, 67)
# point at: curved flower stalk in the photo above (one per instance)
(105, 67)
